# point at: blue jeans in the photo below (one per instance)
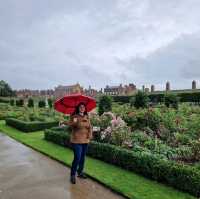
(79, 158)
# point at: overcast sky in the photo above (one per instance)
(44, 43)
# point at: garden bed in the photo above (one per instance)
(180, 176)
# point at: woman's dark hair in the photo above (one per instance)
(77, 109)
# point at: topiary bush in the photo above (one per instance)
(50, 102)
(12, 102)
(141, 100)
(20, 102)
(105, 104)
(41, 104)
(30, 102)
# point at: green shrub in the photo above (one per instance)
(130, 119)
(105, 121)
(196, 149)
(171, 100)
(141, 100)
(12, 102)
(105, 104)
(41, 104)
(50, 102)
(184, 153)
(5, 89)
(132, 101)
(29, 126)
(182, 138)
(20, 102)
(121, 136)
(30, 102)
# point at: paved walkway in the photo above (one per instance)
(25, 173)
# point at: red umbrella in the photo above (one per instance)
(68, 103)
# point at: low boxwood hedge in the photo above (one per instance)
(2, 100)
(180, 176)
(29, 126)
(184, 96)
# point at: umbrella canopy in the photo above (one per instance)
(68, 103)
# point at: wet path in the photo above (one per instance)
(25, 173)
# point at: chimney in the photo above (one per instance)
(152, 88)
(168, 86)
(143, 88)
(194, 84)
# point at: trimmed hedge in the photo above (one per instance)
(29, 126)
(159, 97)
(180, 176)
(122, 99)
(189, 97)
(2, 100)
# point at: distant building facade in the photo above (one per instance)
(48, 92)
(61, 91)
(129, 89)
(91, 92)
(25, 93)
(120, 90)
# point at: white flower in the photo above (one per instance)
(103, 135)
(109, 114)
(96, 128)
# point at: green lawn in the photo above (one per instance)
(125, 182)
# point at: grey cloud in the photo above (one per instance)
(178, 62)
(45, 43)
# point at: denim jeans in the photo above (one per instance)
(79, 158)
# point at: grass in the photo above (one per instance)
(127, 183)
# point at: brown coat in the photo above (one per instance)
(81, 129)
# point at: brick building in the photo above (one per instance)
(120, 90)
(61, 91)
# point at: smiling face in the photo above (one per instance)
(82, 108)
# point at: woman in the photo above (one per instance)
(80, 137)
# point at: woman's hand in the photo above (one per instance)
(75, 120)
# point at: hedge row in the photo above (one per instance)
(180, 176)
(159, 97)
(2, 100)
(29, 126)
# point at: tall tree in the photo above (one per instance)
(5, 89)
